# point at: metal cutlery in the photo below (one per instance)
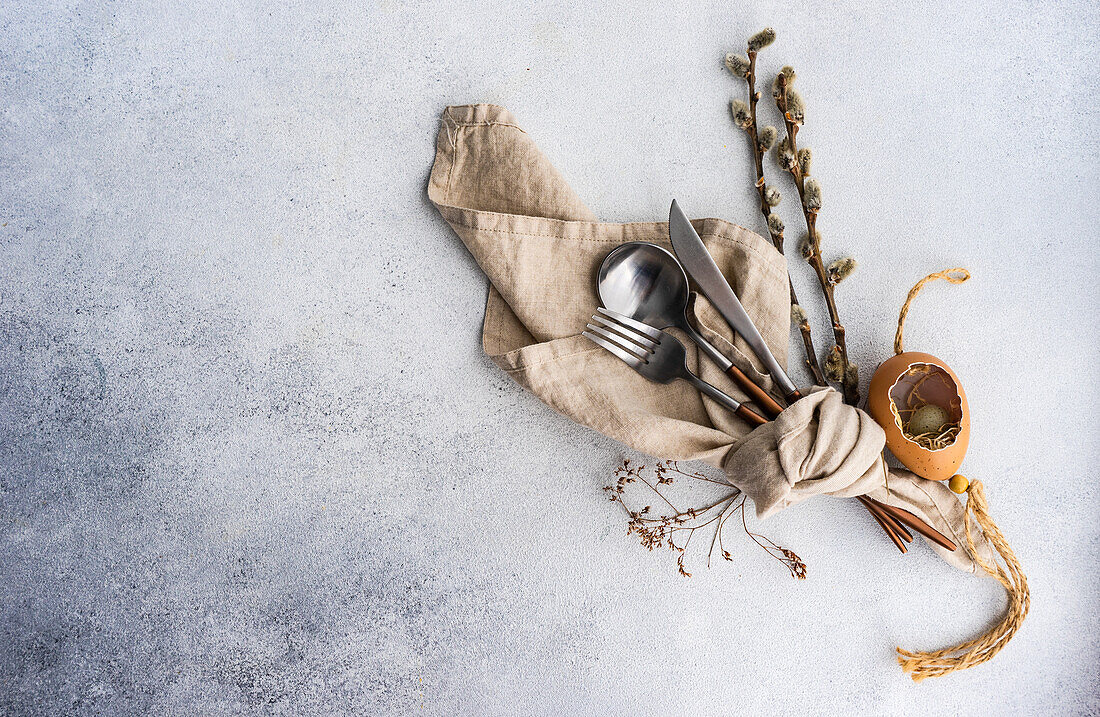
(699, 265)
(642, 284)
(658, 356)
(645, 282)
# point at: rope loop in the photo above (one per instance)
(956, 276)
(921, 665)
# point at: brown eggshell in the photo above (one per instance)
(894, 378)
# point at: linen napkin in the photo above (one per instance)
(541, 248)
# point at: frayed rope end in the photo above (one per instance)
(921, 665)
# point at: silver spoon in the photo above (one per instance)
(647, 283)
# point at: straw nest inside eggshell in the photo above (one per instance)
(918, 401)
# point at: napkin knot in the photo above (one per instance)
(819, 445)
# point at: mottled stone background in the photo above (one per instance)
(252, 459)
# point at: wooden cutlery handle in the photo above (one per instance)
(758, 395)
(898, 528)
(904, 516)
(754, 419)
(890, 523)
(881, 520)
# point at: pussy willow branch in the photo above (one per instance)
(849, 379)
(758, 150)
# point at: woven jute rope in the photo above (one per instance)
(956, 276)
(921, 665)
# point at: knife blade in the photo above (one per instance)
(700, 266)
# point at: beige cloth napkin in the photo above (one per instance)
(541, 247)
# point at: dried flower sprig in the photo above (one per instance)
(784, 555)
(838, 366)
(674, 531)
(761, 140)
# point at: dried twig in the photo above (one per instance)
(657, 529)
(761, 141)
(838, 367)
(783, 555)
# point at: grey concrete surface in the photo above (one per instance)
(252, 460)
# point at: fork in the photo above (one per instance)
(658, 356)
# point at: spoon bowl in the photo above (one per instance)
(646, 282)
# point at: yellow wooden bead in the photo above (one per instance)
(958, 483)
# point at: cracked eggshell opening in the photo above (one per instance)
(892, 386)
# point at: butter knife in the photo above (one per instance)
(700, 266)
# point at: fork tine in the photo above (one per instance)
(650, 331)
(632, 336)
(640, 354)
(630, 359)
(627, 332)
